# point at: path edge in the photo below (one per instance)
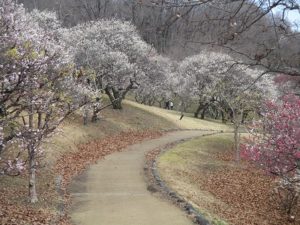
(156, 183)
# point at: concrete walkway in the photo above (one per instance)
(114, 191)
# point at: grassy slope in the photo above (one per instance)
(133, 117)
(111, 122)
(186, 123)
(72, 133)
(178, 164)
(203, 171)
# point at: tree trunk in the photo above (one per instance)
(117, 104)
(202, 117)
(85, 120)
(217, 115)
(114, 97)
(2, 110)
(224, 120)
(297, 177)
(204, 111)
(31, 160)
(94, 117)
(137, 98)
(161, 103)
(236, 124)
(237, 144)
(244, 117)
(196, 114)
(85, 114)
(99, 83)
(32, 176)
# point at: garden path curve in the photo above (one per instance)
(114, 191)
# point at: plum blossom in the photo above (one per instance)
(37, 86)
(275, 145)
(112, 53)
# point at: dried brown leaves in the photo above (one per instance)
(16, 212)
(245, 190)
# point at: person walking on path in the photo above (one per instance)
(168, 104)
(171, 105)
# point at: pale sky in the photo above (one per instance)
(293, 16)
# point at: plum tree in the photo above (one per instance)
(37, 88)
(274, 146)
(114, 51)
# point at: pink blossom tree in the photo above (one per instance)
(288, 84)
(275, 146)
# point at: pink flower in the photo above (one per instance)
(276, 137)
(297, 155)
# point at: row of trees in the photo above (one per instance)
(49, 72)
(258, 40)
(223, 84)
(180, 28)
(217, 83)
(38, 87)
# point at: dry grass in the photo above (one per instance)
(203, 171)
(190, 157)
(72, 134)
(186, 123)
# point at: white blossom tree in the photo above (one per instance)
(116, 53)
(156, 87)
(200, 74)
(220, 81)
(37, 90)
(236, 95)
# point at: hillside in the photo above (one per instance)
(76, 140)
(204, 172)
(132, 117)
(71, 138)
(187, 122)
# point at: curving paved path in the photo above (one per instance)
(114, 191)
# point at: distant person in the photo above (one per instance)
(167, 104)
(171, 105)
